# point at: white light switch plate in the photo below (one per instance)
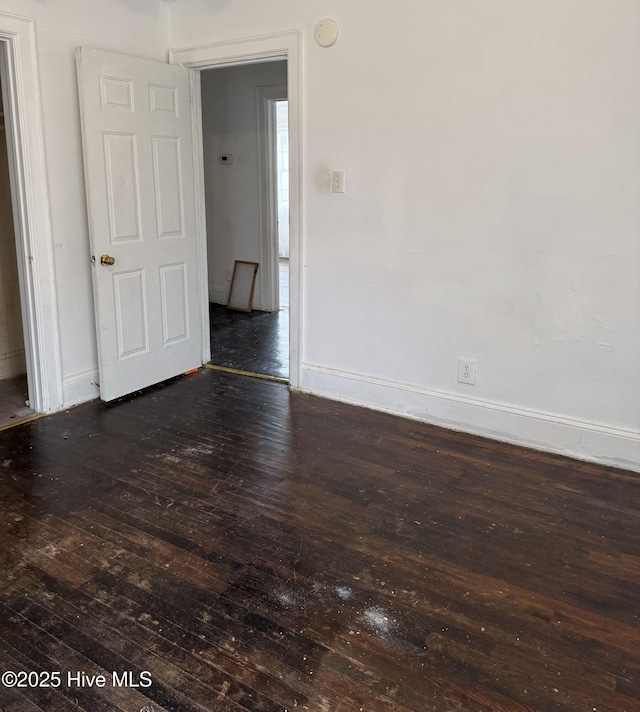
(337, 181)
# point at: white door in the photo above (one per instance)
(138, 154)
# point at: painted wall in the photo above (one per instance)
(492, 160)
(230, 125)
(12, 361)
(134, 27)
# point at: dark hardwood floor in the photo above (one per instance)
(256, 342)
(256, 550)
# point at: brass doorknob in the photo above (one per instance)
(107, 261)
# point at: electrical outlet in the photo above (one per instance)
(467, 371)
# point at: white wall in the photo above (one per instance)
(134, 27)
(230, 125)
(492, 158)
(12, 360)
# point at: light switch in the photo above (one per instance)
(337, 182)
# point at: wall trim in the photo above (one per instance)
(241, 50)
(266, 96)
(582, 439)
(80, 387)
(30, 198)
(220, 295)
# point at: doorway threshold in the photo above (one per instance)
(250, 374)
(21, 421)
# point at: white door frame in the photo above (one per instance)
(268, 186)
(30, 198)
(252, 50)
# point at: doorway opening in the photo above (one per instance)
(245, 134)
(280, 47)
(14, 389)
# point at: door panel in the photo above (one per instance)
(123, 186)
(116, 93)
(163, 100)
(168, 185)
(131, 313)
(138, 148)
(175, 307)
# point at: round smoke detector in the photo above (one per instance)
(326, 32)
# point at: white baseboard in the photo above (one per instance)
(220, 295)
(12, 364)
(80, 387)
(581, 439)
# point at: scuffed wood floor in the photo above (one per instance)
(256, 550)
